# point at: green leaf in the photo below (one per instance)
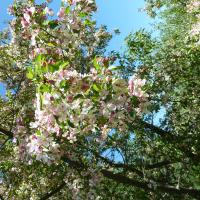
(64, 84)
(53, 24)
(88, 22)
(96, 87)
(83, 14)
(103, 120)
(45, 88)
(114, 68)
(67, 10)
(38, 59)
(53, 68)
(96, 65)
(63, 65)
(30, 75)
(78, 96)
(70, 124)
(50, 45)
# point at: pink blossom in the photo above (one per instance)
(59, 51)
(27, 17)
(61, 12)
(72, 2)
(24, 23)
(33, 37)
(40, 50)
(14, 140)
(193, 6)
(10, 10)
(135, 87)
(49, 11)
(72, 137)
(31, 10)
(70, 99)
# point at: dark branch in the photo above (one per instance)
(133, 168)
(75, 164)
(1, 197)
(152, 128)
(53, 192)
(2, 145)
(6, 132)
(150, 185)
(159, 164)
(119, 165)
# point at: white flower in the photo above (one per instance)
(49, 11)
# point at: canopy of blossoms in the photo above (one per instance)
(77, 94)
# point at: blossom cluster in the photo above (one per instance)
(80, 105)
(35, 30)
(75, 98)
(193, 6)
(195, 31)
(135, 87)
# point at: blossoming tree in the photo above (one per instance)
(72, 127)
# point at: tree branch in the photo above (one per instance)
(53, 192)
(154, 129)
(151, 186)
(119, 165)
(159, 164)
(6, 132)
(167, 136)
(2, 145)
(1, 197)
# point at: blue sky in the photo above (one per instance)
(122, 14)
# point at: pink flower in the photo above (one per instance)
(33, 37)
(70, 99)
(27, 17)
(59, 51)
(135, 87)
(61, 12)
(49, 11)
(40, 51)
(31, 10)
(72, 2)
(10, 10)
(24, 23)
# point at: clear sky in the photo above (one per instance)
(122, 14)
